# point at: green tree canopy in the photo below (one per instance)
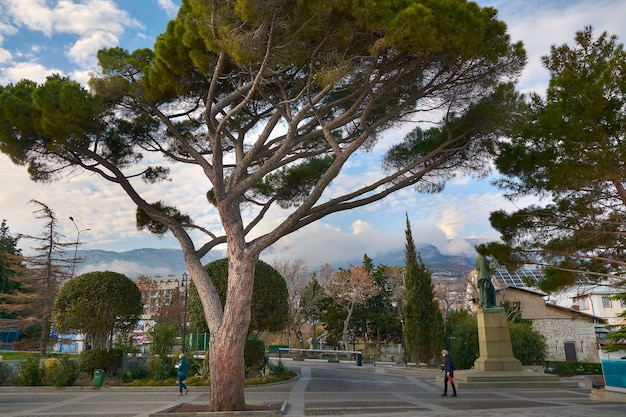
(529, 346)
(462, 337)
(568, 148)
(97, 304)
(377, 321)
(268, 100)
(163, 340)
(270, 307)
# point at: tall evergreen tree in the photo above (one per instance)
(569, 148)
(423, 321)
(13, 290)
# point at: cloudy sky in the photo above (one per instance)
(42, 37)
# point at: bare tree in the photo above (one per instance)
(296, 274)
(48, 268)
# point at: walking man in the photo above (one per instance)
(448, 370)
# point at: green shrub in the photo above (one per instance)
(204, 370)
(153, 364)
(254, 352)
(6, 373)
(164, 371)
(30, 372)
(108, 361)
(163, 339)
(573, 368)
(138, 372)
(280, 369)
(529, 346)
(133, 373)
(60, 372)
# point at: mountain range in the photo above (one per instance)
(170, 262)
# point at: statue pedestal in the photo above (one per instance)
(496, 353)
(497, 367)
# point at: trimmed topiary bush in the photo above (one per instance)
(108, 361)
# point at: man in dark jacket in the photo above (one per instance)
(448, 369)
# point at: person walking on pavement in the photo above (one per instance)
(182, 369)
(448, 368)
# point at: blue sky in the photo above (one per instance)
(41, 37)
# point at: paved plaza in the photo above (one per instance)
(323, 389)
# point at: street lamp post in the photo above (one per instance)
(402, 339)
(78, 231)
(184, 287)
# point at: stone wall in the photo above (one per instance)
(559, 331)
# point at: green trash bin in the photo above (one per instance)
(98, 377)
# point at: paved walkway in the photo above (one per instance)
(323, 389)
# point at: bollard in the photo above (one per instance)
(359, 358)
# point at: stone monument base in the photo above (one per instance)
(474, 379)
(497, 367)
(496, 352)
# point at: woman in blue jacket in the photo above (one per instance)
(182, 369)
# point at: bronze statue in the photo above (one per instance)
(486, 290)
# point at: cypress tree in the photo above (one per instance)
(422, 317)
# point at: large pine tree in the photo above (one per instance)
(423, 327)
(269, 102)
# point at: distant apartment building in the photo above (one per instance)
(597, 300)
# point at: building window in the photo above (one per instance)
(583, 303)
(606, 301)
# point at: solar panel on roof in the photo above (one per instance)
(520, 278)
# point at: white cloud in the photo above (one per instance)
(5, 56)
(96, 24)
(26, 70)
(359, 227)
(169, 6)
(541, 24)
(320, 243)
(84, 51)
(33, 14)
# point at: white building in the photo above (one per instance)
(596, 300)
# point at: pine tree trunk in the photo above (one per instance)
(228, 342)
(227, 370)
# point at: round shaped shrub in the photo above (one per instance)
(60, 372)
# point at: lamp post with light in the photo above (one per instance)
(78, 231)
(184, 288)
